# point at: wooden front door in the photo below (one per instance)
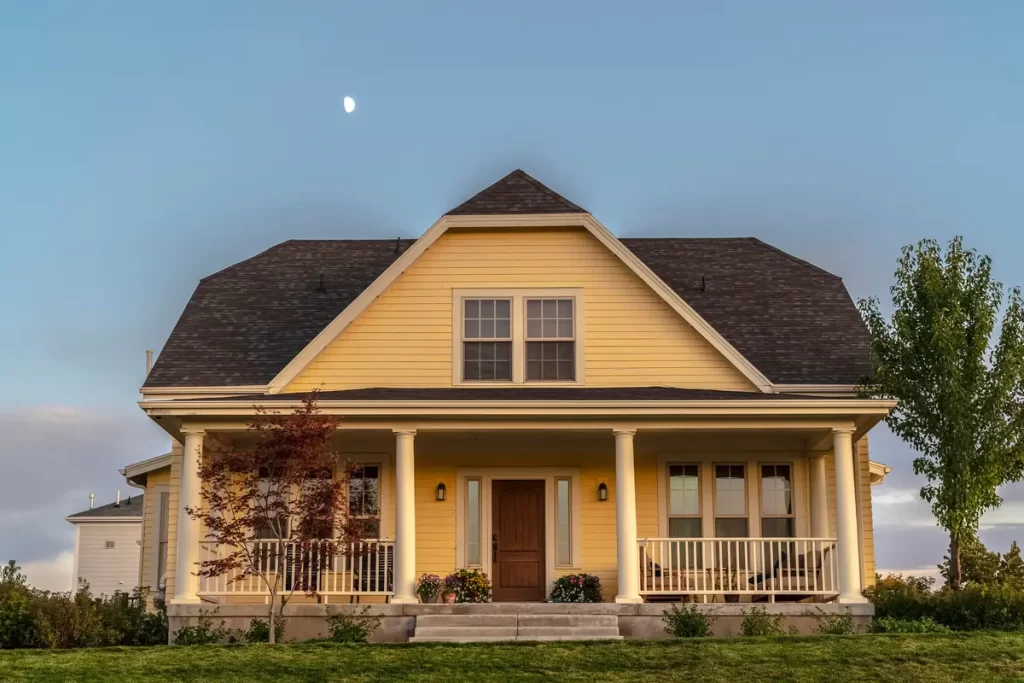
(517, 543)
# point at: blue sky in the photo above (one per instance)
(142, 147)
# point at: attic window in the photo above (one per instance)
(108, 544)
(487, 340)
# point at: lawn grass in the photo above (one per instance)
(904, 658)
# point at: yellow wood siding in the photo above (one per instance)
(631, 336)
(148, 572)
(172, 522)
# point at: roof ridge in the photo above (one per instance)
(795, 259)
(547, 190)
(244, 261)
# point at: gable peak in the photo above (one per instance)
(516, 193)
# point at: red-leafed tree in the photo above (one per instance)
(275, 504)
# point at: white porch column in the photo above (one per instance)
(819, 497)
(405, 518)
(625, 518)
(846, 518)
(186, 583)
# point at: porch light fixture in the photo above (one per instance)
(602, 492)
(441, 492)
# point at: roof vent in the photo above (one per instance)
(321, 287)
(92, 500)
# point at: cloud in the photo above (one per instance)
(53, 574)
(54, 457)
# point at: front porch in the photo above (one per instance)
(667, 510)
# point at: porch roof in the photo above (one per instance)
(526, 393)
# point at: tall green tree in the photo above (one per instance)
(959, 392)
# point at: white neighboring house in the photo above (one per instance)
(108, 542)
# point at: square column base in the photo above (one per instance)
(628, 599)
(851, 599)
(405, 600)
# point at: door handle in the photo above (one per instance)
(494, 547)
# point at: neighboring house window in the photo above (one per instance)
(487, 340)
(161, 554)
(473, 555)
(550, 340)
(109, 544)
(730, 502)
(563, 522)
(776, 501)
(364, 497)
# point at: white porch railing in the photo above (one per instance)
(329, 568)
(738, 566)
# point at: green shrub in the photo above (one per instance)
(126, 621)
(67, 620)
(899, 596)
(259, 631)
(976, 607)
(687, 622)
(894, 625)
(204, 632)
(17, 618)
(576, 588)
(834, 624)
(757, 622)
(352, 628)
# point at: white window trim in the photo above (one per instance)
(518, 296)
(384, 505)
(153, 580)
(548, 475)
(665, 497)
(800, 483)
(792, 493)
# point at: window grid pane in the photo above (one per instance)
(549, 319)
(551, 361)
(684, 490)
(563, 534)
(730, 491)
(473, 522)
(776, 491)
(487, 361)
(487, 319)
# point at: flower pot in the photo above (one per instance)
(449, 598)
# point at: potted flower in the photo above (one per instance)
(576, 588)
(428, 587)
(467, 585)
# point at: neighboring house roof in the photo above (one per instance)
(129, 509)
(793, 321)
(516, 193)
(526, 393)
(135, 473)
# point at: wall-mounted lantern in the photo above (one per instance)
(441, 492)
(602, 492)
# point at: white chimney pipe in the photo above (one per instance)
(92, 500)
(149, 361)
(118, 503)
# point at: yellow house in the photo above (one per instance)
(535, 397)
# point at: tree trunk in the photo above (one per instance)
(955, 577)
(270, 618)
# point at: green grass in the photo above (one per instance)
(903, 658)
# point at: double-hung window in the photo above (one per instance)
(487, 340)
(550, 340)
(730, 501)
(684, 518)
(528, 336)
(364, 498)
(776, 501)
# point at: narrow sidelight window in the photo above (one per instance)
(473, 558)
(776, 501)
(563, 524)
(487, 340)
(550, 340)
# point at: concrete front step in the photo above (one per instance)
(595, 631)
(465, 631)
(461, 639)
(474, 620)
(553, 638)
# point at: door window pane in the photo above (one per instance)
(473, 522)
(731, 527)
(684, 527)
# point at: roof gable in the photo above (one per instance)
(516, 193)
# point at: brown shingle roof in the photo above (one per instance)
(795, 322)
(518, 192)
(132, 506)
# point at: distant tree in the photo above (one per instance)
(271, 500)
(1011, 568)
(960, 399)
(978, 565)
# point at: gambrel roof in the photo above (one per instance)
(792, 321)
